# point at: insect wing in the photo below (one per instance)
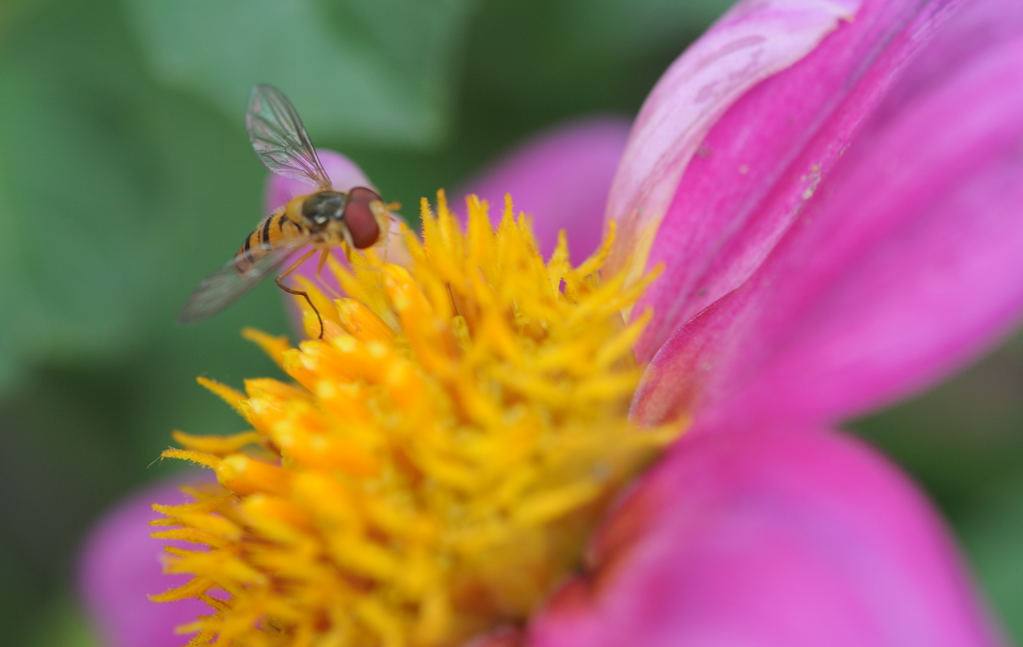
(223, 287)
(280, 139)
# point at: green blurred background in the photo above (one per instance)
(125, 174)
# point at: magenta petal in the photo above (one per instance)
(560, 178)
(754, 40)
(767, 153)
(120, 566)
(907, 265)
(794, 538)
(975, 26)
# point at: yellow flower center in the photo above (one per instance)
(436, 464)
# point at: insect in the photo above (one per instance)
(320, 220)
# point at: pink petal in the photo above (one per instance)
(561, 179)
(750, 43)
(343, 172)
(120, 566)
(795, 538)
(905, 266)
(771, 148)
(974, 27)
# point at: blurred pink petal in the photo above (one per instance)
(906, 267)
(795, 538)
(120, 566)
(561, 179)
(343, 172)
(767, 153)
(976, 26)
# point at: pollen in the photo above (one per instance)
(432, 466)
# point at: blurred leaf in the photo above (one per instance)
(365, 72)
(115, 196)
(72, 205)
(955, 438)
(576, 56)
(62, 625)
(12, 11)
(993, 534)
(10, 354)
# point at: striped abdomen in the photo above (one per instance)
(275, 228)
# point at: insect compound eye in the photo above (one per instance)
(359, 218)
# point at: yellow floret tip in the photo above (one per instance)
(441, 454)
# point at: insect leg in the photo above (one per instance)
(300, 293)
(324, 253)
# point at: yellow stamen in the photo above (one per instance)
(440, 458)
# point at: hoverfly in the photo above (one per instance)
(319, 220)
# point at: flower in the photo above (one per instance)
(831, 238)
(443, 450)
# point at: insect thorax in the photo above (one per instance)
(321, 208)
